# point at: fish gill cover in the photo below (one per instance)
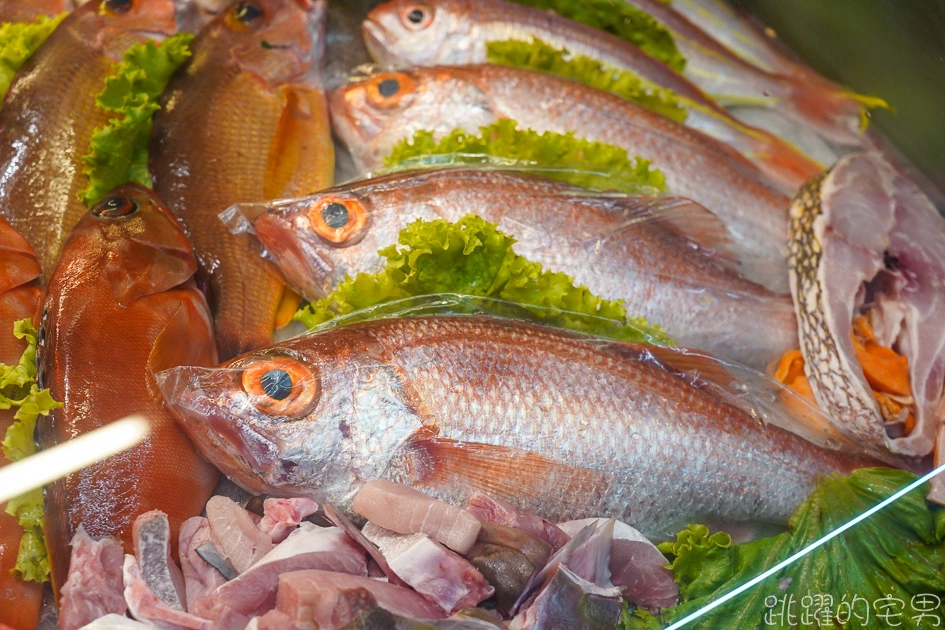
(539, 55)
(559, 156)
(118, 152)
(621, 19)
(18, 389)
(884, 572)
(473, 257)
(18, 42)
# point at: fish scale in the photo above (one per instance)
(465, 403)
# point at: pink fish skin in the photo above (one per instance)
(451, 405)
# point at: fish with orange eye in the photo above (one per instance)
(54, 92)
(20, 298)
(121, 305)
(266, 135)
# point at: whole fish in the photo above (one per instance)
(866, 243)
(49, 116)
(636, 249)
(122, 305)
(20, 298)
(30, 10)
(553, 422)
(457, 32)
(244, 120)
(371, 116)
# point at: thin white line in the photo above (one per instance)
(51, 464)
(803, 552)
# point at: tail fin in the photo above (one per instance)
(839, 116)
(783, 163)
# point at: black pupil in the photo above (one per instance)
(115, 207)
(335, 216)
(415, 16)
(119, 6)
(277, 384)
(247, 12)
(388, 87)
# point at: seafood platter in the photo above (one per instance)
(466, 314)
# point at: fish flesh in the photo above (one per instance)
(634, 249)
(49, 115)
(20, 298)
(866, 242)
(120, 306)
(244, 120)
(572, 427)
(372, 115)
(454, 32)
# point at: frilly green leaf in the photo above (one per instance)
(472, 257)
(118, 152)
(538, 55)
(577, 161)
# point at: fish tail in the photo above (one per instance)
(839, 116)
(782, 162)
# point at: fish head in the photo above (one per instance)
(372, 115)
(319, 240)
(280, 41)
(407, 32)
(145, 16)
(317, 412)
(141, 247)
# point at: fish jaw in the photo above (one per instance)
(442, 37)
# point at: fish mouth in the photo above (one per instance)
(200, 399)
(303, 264)
(378, 43)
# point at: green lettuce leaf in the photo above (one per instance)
(580, 162)
(118, 152)
(18, 390)
(18, 42)
(472, 257)
(538, 55)
(884, 572)
(621, 19)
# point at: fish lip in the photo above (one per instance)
(377, 42)
(302, 263)
(224, 439)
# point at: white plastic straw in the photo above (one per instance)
(51, 464)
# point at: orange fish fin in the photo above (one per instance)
(17, 259)
(698, 368)
(288, 305)
(187, 338)
(504, 473)
(301, 158)
(694, 222)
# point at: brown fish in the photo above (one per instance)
(371, 116)
(122, 305)
(49, 116)
(20, 298)
(650, 252)
(244, 121)
(556, 423)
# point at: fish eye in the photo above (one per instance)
(417, 17)
(388, 90)
(248, 13)
(117, 6)
(281, 386)
(115, 207)
(338, 221)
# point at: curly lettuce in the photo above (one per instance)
(473, 257)
(539, 55)
(18, 389)
(623, 20)
(559, 156)
(18, 42)
(118, 152)
(883, 572)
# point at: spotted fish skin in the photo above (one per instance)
(866, 239)
(572, 427)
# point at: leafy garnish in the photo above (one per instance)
(18, 390)
(18, 42)
(559, 156)
(622, 19)
(118, 152)
(472, 257)
(538, 55)
(883, 572)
